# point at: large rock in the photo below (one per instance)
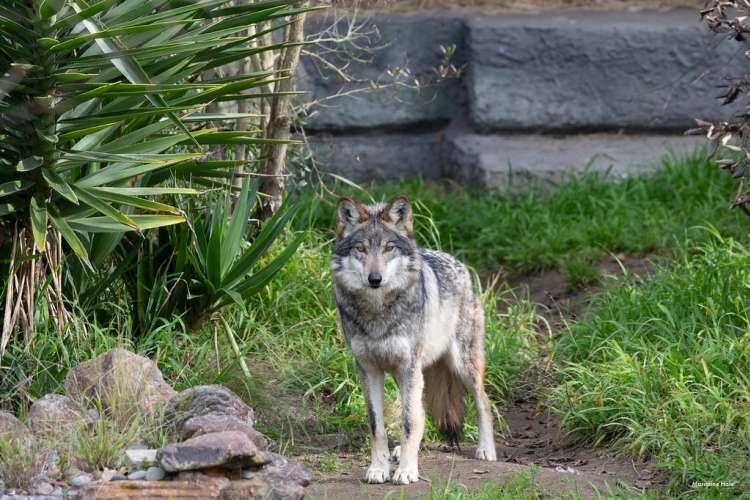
(119, 377)
(54, 413)
(596, 71)
(396, 51)
(205, 400)
(229, 449)
(207, 424)
(11, 427)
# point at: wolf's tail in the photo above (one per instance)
(444, 398)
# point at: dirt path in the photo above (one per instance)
(556, 303)
(563, 468)
(532, 440)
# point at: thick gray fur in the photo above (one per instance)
(424, 317)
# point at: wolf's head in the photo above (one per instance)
(375, 248)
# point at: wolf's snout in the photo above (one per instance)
(374, 279)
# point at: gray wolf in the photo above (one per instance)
(413, 313)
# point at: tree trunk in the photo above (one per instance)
(280, 121)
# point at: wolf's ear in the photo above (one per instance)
(398, 212)
(349, 213)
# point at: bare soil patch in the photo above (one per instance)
(458, 468)
(557, 303)
(532, 439)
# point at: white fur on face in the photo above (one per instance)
(352, 274)
(396, 275)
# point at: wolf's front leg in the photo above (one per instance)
(372, 379)
(411, 385)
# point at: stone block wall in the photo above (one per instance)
(620, 87)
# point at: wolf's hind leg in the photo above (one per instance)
(470, 367)
(411, 384)
(486, 448)
(472, 373)
(372, 379)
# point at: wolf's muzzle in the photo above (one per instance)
(374, 279)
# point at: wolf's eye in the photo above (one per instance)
(359, 247)
(389, 247)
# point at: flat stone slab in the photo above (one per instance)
(230, 449)
(596, 71)
(515, 161)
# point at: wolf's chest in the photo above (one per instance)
(388, 352)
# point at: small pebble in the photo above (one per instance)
(81, 480)
(248, 474)
(155, 474)
(138, 475)
(119, 477)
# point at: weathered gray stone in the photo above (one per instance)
(81, 480)
(596, 71)
(281, 478)
(155, 474)
(136, 458)
(205, 400)
(57, 413)
(11, 427)
(230, 449)
(138, 475)
(396, 43)
(119, 377)
(513, 162)
(376, 156)
(42, 488)
(206, 424)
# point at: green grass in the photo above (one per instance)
(662, 368)
(569, 227)
(519, 486)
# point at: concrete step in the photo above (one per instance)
(512, 162)
(495, 161)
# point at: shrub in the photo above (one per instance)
(101, 110)
(732, 18)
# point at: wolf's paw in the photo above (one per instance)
(377, 474)
(405, 475)
(396, 454)
(486, 453)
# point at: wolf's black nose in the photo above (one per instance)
(374, 279)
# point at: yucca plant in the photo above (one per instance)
(102, 109)
(194, 270)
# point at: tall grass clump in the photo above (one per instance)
(660, 368)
